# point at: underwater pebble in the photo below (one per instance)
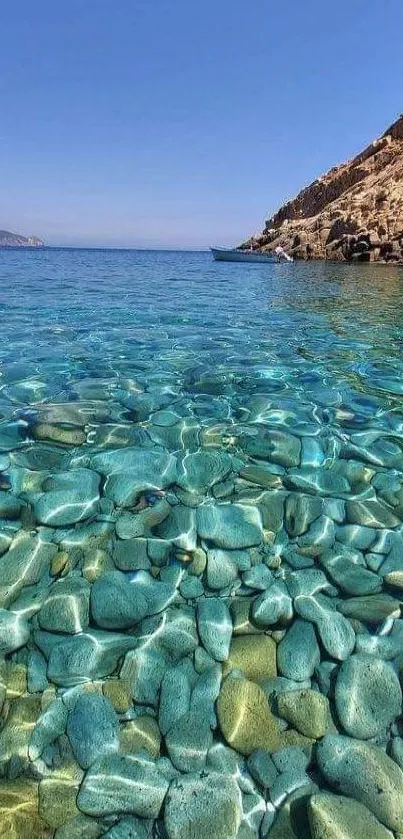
(211, 801)
(368, 696)
(123, 784)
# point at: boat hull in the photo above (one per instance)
(227, 255)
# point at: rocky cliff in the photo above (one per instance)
(354, 211)
(14, 240)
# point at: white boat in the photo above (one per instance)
(238, 255)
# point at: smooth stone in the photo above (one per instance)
(338, 817)
(141, 524)
(16, 677)
(271, 506)
(92, 728)
(188, 742)
(240, 609)
(308, 581)
(368, 696)
(123, 784)
(317, 481)
(191, 588)
(140, 733)
(10, 506)
(215, 627)
(14, 631)
(300, 512)
(319, 537)
(81, 827)
(207, 805)
(50, 725)
(260, 474)
(371, 513)
(379, 646)
(174, 697)
(276, 446)
(287, 783)
(201, 470)
(130, 828)
(254, 655)
(205, 692)
(175, 629)
(118, 692)
(62, 435)
(298, 653)
(144, 669)
(325, 677)
(262, 768)
(364, 773)
(19, 818)
(272, 607)
(372, 609)
(136, 470)
(245, 719)
(292, 757)
(131, 555)
(68, 497)
(335, 632)
(158, 594)
(356, 536)
(66, 609)
(259, 577)
(396, 751)
(291, 821)
(394, 579)
(230, 526)
(26, 561)
(57, 800)
(349, 576)
(82, 658)
(222, 568)
(16, 734)
(116, 603)
(179, 528)
(307, 711)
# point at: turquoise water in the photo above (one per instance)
(201, 544)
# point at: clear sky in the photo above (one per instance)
(177, 123)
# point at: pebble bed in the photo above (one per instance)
(201, 554)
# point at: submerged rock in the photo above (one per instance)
(230, 526)
(66, 608)
(254, 655)
(210, 802)
(123, 784)
(244, 717)
(68, 497)
(365, 773)
(368, 696)
(92, 728)
(338, 817)
(215, 627)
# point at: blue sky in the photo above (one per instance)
(182, 124)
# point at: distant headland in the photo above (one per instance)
(15, 240)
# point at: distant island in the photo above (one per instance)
(353, 212)
(14, 240)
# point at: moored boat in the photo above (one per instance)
(238, 255)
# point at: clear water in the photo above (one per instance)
(312, 350)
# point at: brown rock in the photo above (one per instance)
(354, 211)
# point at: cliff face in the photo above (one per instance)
(354, 211)
(14, 240)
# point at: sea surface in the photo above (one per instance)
(201, 545)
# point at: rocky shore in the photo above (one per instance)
(353, 212)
